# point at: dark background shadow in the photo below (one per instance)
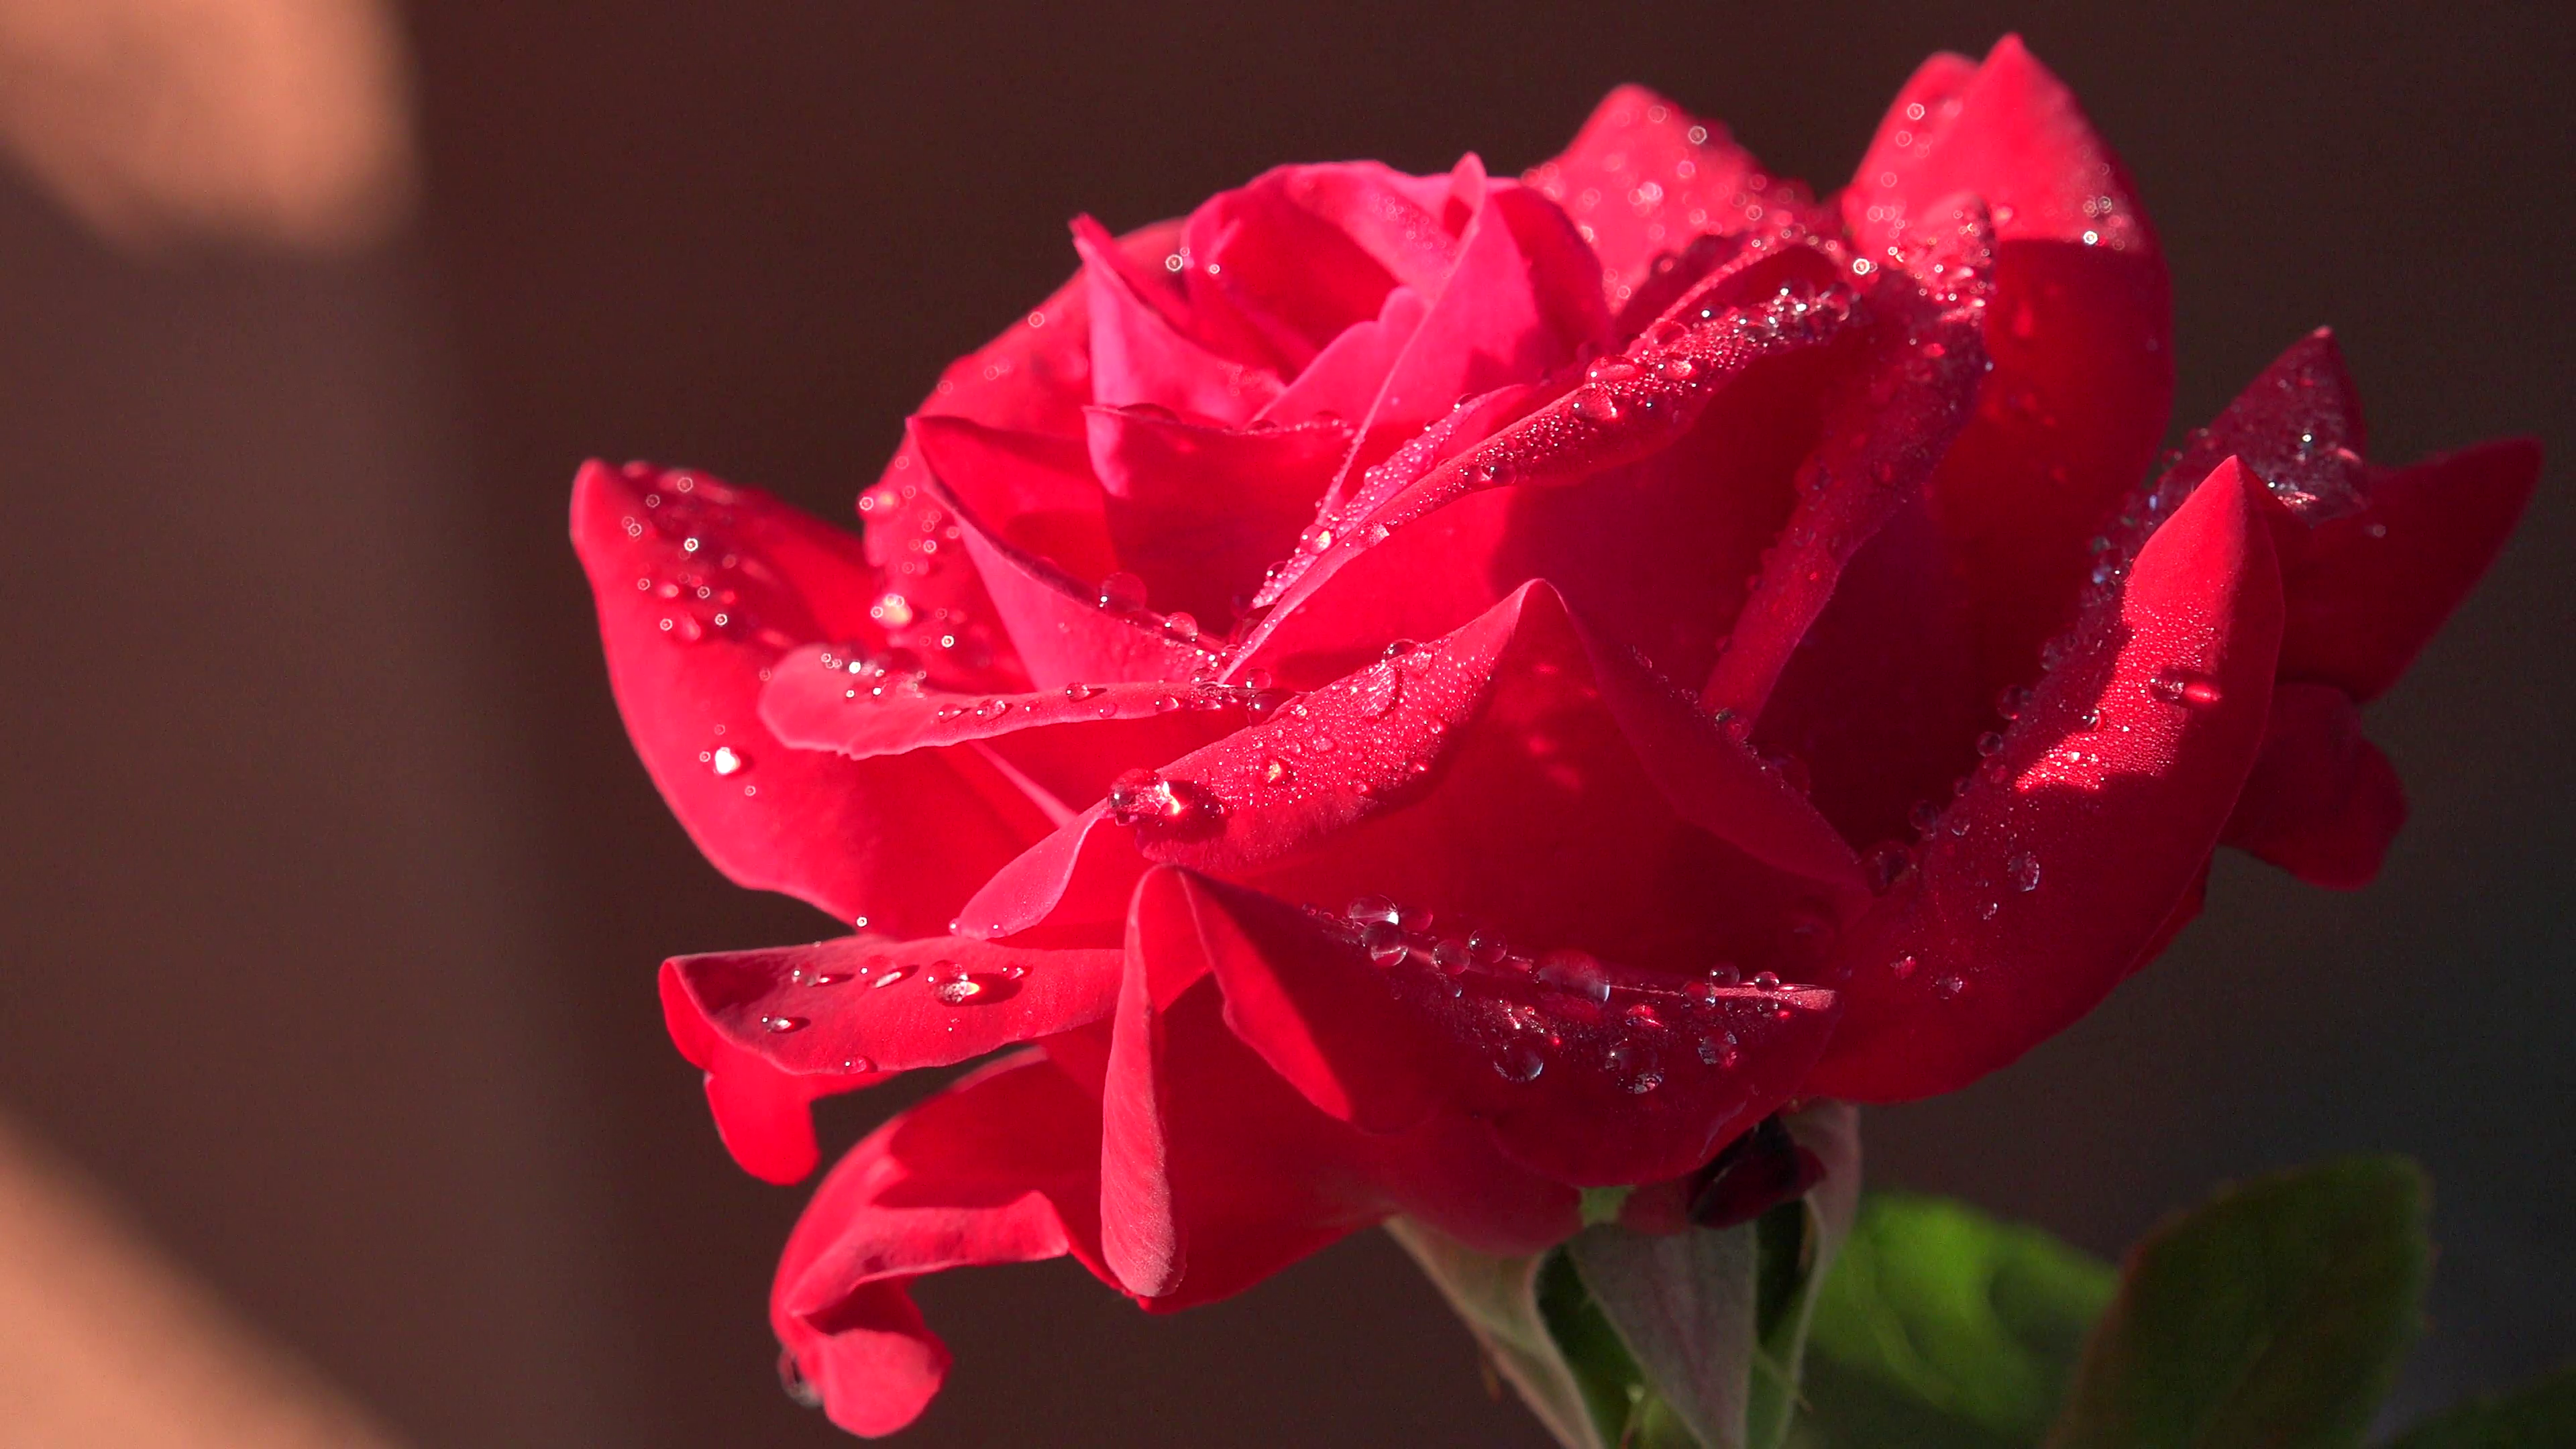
(335, 893)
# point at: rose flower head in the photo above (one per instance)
(1425, 694)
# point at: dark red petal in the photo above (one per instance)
(2041, 886)
(1035, 490)
(1888, 423)
(2079, 331)
(1644, 177)
(2297, 427)
(998, 1169)
(775, 1029)
(1138, 356)
(2323, 803)
(700, 587)
(1513, 774)
(1198, 512)
(2367, 590)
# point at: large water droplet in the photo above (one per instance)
(1520, 1061)
(783, 1024)
(1385, 944)
(1577, 972)
(2175, 687)
(1596, 403)
(1122, 592)
(726, 760)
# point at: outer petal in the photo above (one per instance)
(1214, 1174)
(775, 1029)
(2368, 590)
(1072, 741)
(2044, 883)
(700, 587)
(1644, 177)
(2079, 332)
(998, 1169)
(2323, 803)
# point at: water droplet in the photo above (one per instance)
(1080, 692)
(1949, 986)
(888, 977)
(1766, 980)
(1181, 626)
(1596, 403)
(1488, 948)
(1678, 369)
(1372, 909)
(1451, 957)
(1384, 941)
(783, 1024)
(1379, 690)
(2023, 871)
(1717, 1051)
(1722, 974)
(1122, 592)
(827, 978)
(1276, 771)
(1989, 744)
(856, 1066)
(1520, 1061)
(1923, 817)
(2175, 687)
(1634, 1064)
(1577, 972)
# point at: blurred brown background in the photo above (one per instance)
(334, 896)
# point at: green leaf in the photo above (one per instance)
(1945, 1328)
(2537, 1416)
(2272, 1318)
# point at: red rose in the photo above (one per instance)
(1807, 700)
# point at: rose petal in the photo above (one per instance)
(2367, 590)
(1304, 253)
(2079, 331)
(1198, 512)
(1139, 356)
(1684, 453)
(1512, 774)
(826, 697)
(1215, 1174)
(997, 1169)
(2043, 883)
(1887, 425)
(1057, 624)
(686, 669)
(1643, 177)
(1304, 1000)
(1035, 490)
(2323, 803)
(776, 1029)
